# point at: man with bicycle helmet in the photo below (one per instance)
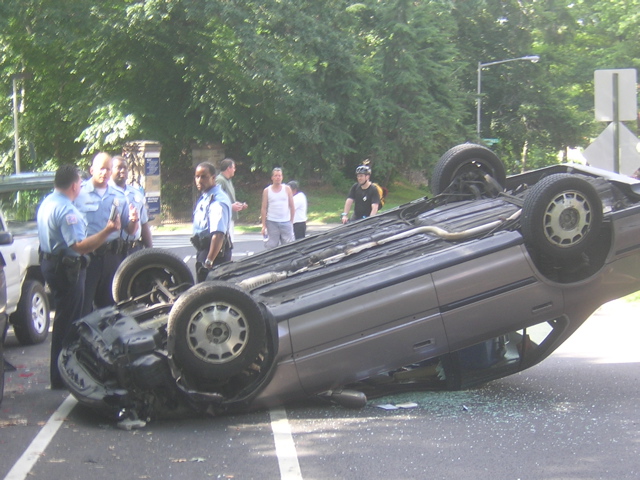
(363, 196)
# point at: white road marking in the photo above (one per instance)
(25, 463)
(285, 448)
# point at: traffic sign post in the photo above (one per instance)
(615, 101)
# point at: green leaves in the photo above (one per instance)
(312, 86)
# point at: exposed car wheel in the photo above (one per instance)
(144, 269)
(562, 215)
(465, 168)
(216, 330)
(31, 319)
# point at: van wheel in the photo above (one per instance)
(561, 215)
(141, 271)
(215, 331)
(469, 169)
(31, 319)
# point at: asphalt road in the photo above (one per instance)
(574, 416)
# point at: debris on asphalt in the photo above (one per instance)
(129, 424)
(390, 406)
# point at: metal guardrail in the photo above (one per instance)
(26, 181)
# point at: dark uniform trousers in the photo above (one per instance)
(100, 272)
(68, 300)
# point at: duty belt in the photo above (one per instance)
(114, 246)
(133, 244)
(83, 260)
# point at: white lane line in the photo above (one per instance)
(23, 466)
(285, 448)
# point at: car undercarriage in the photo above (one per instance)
(484, 279)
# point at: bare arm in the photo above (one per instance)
(374, 208)
(145, 236)
(216, 244)
(347, 209)
(89, 244)
(134, 218)
(237, 206)
(292, 207)
(263, 210)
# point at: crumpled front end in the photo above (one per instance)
(117, 363)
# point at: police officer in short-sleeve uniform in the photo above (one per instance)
(97, 196)
(211, 219)
(142, 237)
(63, 243)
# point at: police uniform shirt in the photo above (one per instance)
(213, 212)
(60, 225)
(96, 209)
(135, 197)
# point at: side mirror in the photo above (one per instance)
(6, 238)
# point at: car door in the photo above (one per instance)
(367, 334)
(490, 295)
(11, 268)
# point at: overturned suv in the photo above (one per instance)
(483, 280)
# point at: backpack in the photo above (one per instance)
(382, 192)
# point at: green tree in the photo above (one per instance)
(315, 87)
(414, 106)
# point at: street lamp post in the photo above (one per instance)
(16, 137)
(530, 58)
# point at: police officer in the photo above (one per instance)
(63, 244)
(142, 237)
(211, 219)
(96, 200)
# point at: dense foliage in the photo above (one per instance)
(314, 86)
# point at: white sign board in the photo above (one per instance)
(627, 96)
(600, 152)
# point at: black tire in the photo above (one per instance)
(467, 165)
(215, 331)
(561, 215)
(139, 272)
(32, 317)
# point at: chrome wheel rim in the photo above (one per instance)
(567, 219)
(217, 333)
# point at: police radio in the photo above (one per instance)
(114, 213)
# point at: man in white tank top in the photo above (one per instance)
(277, 211)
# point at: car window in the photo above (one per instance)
(22, 206)
(20, 195)
(502, 355)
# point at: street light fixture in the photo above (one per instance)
(529, 58)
